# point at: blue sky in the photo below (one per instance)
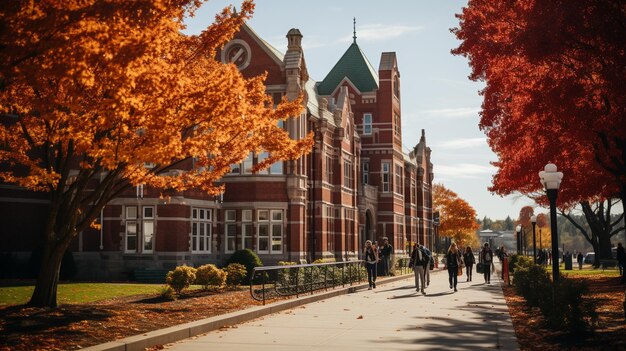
(436, 94)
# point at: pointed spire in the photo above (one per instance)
(354, 29)
(423, 138)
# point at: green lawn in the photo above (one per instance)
(587, 270)
(79, 292)
(590, 271)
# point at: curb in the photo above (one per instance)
(187, 330)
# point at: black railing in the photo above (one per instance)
(299, 279)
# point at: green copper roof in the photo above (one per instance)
(354, 65)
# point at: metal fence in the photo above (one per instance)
(298, 279)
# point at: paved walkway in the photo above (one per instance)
(392, 317)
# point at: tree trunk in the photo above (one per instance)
(45, 294)
(600, 230)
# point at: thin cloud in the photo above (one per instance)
(379, 32)
(458, 112)
(462, 143)
(463, 170)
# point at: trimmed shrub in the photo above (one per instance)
(236, 274)
(247, 258)
(209, 275)
(167, 293)
(571, 312)
(180, 278)
(532, 282)
(518, 261)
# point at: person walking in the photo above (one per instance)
(371, 259)
(487, 258)
(621, 260)
(579, 259)
(453, 262)
(385, 252)
(429, 265)
(469, 259)
(419, 263)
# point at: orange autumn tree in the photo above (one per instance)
(555, 92)
(457, 218)
(92, 92)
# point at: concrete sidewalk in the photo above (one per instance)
(391, 317)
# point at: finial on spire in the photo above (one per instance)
(354, 29)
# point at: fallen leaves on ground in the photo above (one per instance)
(609, 335)
(76, 326)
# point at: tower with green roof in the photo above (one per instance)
(375, 102)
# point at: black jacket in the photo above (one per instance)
(469, 258)
(415, 261)
(386, 250)
(621, 255)
(452, 259)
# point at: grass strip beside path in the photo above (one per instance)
(73, 293)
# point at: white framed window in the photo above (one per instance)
(400, 225)
(201, 219)
(230, 230)
(148, 229)
(131, 212)
(270, 231)
(246, 230)
(396, 126)
(246, 166)
(131, 237)
(347, 174)
(366, 172)
(277, 231)
(139, 229)
(367, 124)
(385, 168)
(399, 184)
(413, 191)
(275, 168)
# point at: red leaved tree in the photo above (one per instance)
(554, 73)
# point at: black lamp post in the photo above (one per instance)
(551, 180)
(518, 231)
(533, 220)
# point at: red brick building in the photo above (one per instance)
(357, 183)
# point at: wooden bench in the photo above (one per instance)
(150, 275)
(606, 264)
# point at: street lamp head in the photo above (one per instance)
(550, 178)
(533, 219)
(518, 228)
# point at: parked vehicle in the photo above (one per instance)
(589, 257)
